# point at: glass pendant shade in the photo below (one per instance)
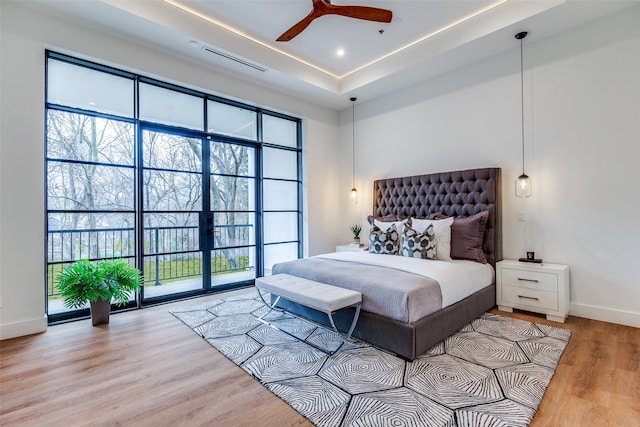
(523, 186)
(354, 195)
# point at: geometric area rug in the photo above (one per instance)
(492, 372)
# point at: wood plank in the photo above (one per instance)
(144, 368)
(148, 369)
(597, 380)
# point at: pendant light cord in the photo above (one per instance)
(522, 99)
(353, 139)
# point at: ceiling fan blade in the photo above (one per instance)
(297, 28)
(324, 7)
(362, 12)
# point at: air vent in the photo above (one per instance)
(233, 58)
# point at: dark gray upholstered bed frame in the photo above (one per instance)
(458, 194)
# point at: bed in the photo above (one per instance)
(411, 323)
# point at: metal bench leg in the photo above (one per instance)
(355, 320)
(353, 323)
(271, 306)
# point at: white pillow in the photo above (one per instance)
(384, 226)
(442, 228)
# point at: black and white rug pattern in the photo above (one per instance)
(492, 372)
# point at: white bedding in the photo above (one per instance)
(457, 278)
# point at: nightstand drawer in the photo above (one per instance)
(534, 298)
(530, 279)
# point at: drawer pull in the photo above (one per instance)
(526, 297)
(528, 280)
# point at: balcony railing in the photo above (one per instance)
(171, 253)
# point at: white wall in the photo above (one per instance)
(25, 33)
(582, 121)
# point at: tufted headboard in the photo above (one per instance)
(458, 194)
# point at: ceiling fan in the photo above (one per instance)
(324, 7)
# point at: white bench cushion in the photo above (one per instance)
(322, 297)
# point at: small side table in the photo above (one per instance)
(533, 287)
(352, 248)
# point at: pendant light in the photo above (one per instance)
(523, 182)
(354, 192)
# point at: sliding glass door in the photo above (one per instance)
(199, 222)
(232, 217)
(172, 186)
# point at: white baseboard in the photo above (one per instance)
(26, 327)
(621, 317)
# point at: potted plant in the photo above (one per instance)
(356, 229)
(98, 284)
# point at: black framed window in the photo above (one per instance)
(281, 160)
(191, 188)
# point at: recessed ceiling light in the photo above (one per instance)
(193, 43)
(340, 52)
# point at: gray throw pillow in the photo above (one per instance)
(467, 236)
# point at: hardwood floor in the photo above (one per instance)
(147, 369)
(597, 382)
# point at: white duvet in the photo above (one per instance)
(458, 278)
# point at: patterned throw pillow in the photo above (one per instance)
(442, 229)
(418, 245)
(384, 242)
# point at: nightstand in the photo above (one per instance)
(541, 288)
(352, 248)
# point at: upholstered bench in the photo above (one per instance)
(319, 296)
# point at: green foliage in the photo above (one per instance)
(169, 271)
(356, 229)
(84, 281)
